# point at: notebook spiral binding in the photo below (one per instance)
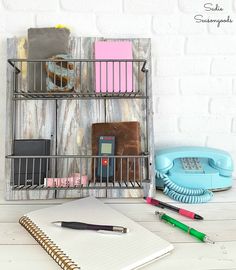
(52, 249)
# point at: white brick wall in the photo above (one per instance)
(168, 45)
(224, 65)
(223, 44)
(124, 25)
(28, 5)
(150, 6)
(165, 85)
(194, 64)
(183, 65)
(178, 24)
(182, 105)
(234, 86)
(193, 6)
(73, 20)
(234, 126)
(223, 106)
(205, 124)
(107, 6)
(206, 85)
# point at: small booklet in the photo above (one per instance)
(113, 74)
(93, 250)
(128, 143)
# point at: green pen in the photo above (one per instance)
(199, 235)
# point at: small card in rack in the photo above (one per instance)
(113, 76)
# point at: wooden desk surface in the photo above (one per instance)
(19, 251)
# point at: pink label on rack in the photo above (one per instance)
(72, 181)
(50, 182)
(76, 179)
(66, 182)
(84, 180)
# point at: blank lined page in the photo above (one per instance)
(93, 250)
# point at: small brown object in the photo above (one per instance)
(127, 143)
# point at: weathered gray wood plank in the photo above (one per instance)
(218, 256)
(72, 135)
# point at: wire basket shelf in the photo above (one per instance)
(78, 78)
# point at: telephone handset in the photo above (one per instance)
(183, 168)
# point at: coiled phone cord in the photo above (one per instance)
(183, 194)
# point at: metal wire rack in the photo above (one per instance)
(77, 79)
(76, 171)
(88, 78)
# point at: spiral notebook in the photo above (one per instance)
(92, 250)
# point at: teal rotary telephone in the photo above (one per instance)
(192, 171)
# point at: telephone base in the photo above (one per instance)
(213, 190)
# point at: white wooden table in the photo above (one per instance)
(19, 251)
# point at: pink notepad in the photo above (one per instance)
(113, 76)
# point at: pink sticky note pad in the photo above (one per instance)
(113, 76)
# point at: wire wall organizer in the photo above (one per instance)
(111, 78)
(70, 95)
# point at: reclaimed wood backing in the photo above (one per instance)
(37, 118)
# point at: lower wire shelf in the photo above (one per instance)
(124, 185)
(84, 174)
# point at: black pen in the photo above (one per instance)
(181, 211)
(86, 226)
